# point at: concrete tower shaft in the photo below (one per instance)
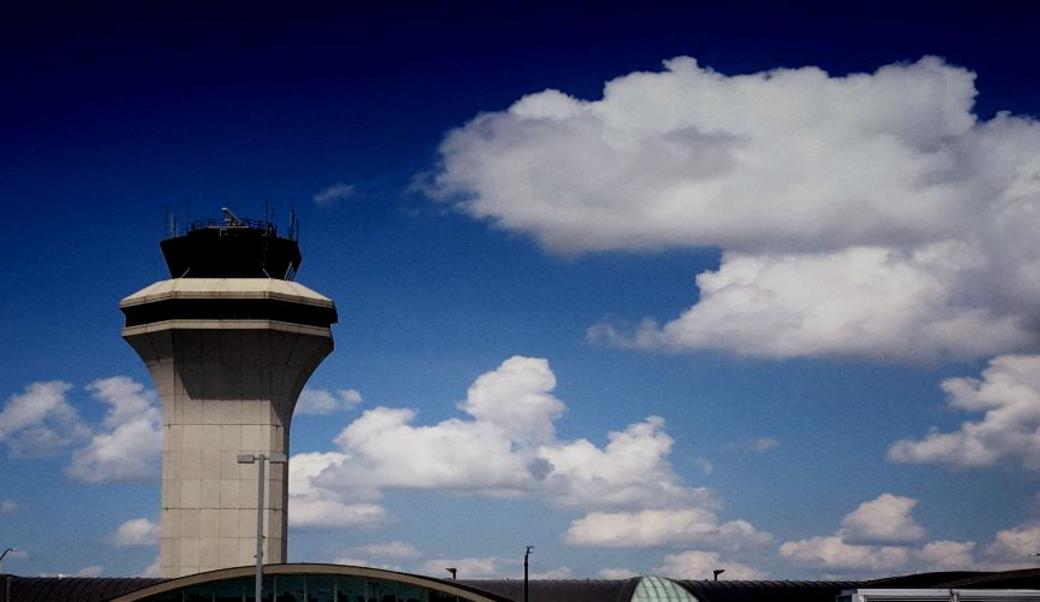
(229, 357)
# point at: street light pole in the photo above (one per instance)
(260, 460)
(527, 553)
(5, 554)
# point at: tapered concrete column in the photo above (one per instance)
(228, 385)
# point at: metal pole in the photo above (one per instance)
(260, 528)
(5, 554)
(527, 553)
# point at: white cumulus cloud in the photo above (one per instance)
(311, 505)
(630, 470)
(860, 301)
(507, 446)
(331, 513)
(879, 536)
(1012, 548)
(152, 570)
(870, 215)
(834, 553)
(698, 564)
(698, 527)
(40, 421)
(8, 506)
(130, 446)
(948, 555)
(136, 532)
(884, 519)
(1008, 394)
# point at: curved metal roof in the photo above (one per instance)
(767, 591)
(453, 588)
(81, 589)
(560, 590)
(1019, 579)
(916, 580)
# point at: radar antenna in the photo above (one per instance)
(230, 218)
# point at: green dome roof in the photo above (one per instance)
(659, 589)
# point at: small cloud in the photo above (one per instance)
(334, 194)
(8, 507)
(704, 464)
(616, 574)
(93, 570)
(392, 549)
(136, 532)
(320, 401)
(350, 396)
(763, 444)
(759, 444)
(152, 570)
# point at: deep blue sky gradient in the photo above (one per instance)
(112, 115)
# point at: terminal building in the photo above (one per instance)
(337, 583)
(230, 339)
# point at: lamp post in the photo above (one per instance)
(527, 553)
(5, 554)
(454, 572)
(716, 573)
(260, 460)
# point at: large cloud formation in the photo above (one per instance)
(1008, 394)
(125, 447)
(882, 536)
(869, 215)
(878, 536)
(130, 445)
(507, 446)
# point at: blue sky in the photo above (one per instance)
(850, 388)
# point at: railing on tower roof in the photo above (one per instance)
(245, 223)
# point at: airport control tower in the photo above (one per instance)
(230, 341)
